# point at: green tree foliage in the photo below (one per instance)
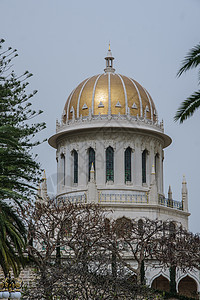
(19, 171)
(192, 103)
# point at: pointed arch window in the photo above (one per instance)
(91, 154)
(144, 166)
(156, 163)
(63, 167)
(109, 164)
(75, 155)
(127, 164)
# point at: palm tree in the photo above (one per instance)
(192, 103)
(12, 239)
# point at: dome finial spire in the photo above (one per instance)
(109, 61)
(109, 47)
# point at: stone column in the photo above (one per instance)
(119, 164)
(100, 163)
(59, 173)
(161, 175)
(82, 164)
(150, 163)
(68, 168)
(184, 195)
(137, 166)
(153, 193)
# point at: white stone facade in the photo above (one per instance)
(133, 198)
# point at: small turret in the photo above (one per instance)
(184, 194)
(153, 193)
(92, 187)
(109, 62)
(170, 193)
(92, 179)
(153, 174)
(44, 195)
(38, 197)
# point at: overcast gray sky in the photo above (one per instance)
(63, 42)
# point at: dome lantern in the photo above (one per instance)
(109, 61)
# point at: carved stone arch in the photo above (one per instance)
(60, 145)
(160, 282)
(109, 143)
(187, 274)
(90, 144)
(145, 145)
(157, 275)
(73, 146)
(187, 285)
(157, 148)
(130, 145)
(62, 150)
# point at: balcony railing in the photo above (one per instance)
(170, 203)
(139, 197)
(80, 198)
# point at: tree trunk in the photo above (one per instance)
(142, 273)
(114, 265)
(172, 271)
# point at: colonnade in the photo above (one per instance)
(66, 162)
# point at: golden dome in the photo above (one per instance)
(109, 93)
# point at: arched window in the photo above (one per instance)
(144, 166)
(75, 154)
(127, 163)
(188, 287)
(109, 164)
(156, 163)
(91, 154)
(63, 167)
(161, 283)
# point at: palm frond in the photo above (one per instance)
(191, 60)
(188, 107)
(12, 239)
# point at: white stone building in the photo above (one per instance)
(110, 150)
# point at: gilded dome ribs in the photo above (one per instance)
(93, 93)
(125, 94)
(80, 96)
(139, 96)
(109, 94)
(149, 103)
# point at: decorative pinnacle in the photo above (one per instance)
(170, 193)
(44, 176)
(184, 180)
(153, 170)
(92, 168)
(109, 47)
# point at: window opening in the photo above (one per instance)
(144, 167)
(75, 166)
(127, 163)
(109, 164)
(91, 154)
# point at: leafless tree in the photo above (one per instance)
(165, 244)
(79, 253)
